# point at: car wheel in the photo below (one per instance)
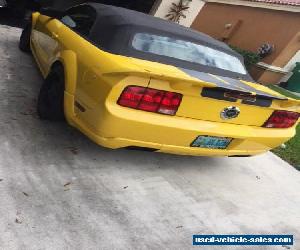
(50, 104)
(24, 43)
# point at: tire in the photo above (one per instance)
(50, 105)
(24, 43)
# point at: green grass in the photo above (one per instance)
(291, 153)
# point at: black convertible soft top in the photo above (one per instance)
(115, 28)
(114, 17)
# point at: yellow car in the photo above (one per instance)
(130, 80)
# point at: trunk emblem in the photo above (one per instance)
(230, 113)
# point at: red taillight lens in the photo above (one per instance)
(152, 100)
(131, 97)
(282, 119)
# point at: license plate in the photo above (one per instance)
(211, 142)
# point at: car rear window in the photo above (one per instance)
(187, 51)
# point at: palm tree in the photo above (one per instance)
(176, 11)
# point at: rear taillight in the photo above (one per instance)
(282, 119)
(152, 100)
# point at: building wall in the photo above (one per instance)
(292, 62)
(162, 8)
(249, 27)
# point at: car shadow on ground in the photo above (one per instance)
(8, 17)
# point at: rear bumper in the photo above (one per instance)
(116, 143)
(118, 127)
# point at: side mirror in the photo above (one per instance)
(51, 12)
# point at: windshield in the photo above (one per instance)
(187, 51)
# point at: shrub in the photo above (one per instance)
(250, 57)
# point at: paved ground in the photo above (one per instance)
(122, 199)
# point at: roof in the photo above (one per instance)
(116, 16)
(281, 2)
(282, 5)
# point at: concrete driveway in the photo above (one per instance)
(58, 190)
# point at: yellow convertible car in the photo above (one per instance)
(130, 80)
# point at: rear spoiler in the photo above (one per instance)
(179, 77)
(174, 79)
(236, 85)
(123, 65)
(292, 104)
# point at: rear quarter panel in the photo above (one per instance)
(88, 74)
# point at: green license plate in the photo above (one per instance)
(211, 142)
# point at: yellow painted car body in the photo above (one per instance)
(94, 80)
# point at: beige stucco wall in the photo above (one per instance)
(163, 8)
